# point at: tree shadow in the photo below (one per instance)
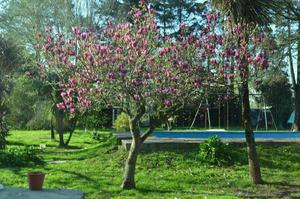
(282, 155)
(283, 190)
(162, 191)
(79, 176)
(71, 147)
(16, 143)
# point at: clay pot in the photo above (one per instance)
(36, 180)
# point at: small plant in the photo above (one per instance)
(95, 136)
(19, 156)
(100, 136)
(213, 151)
(122, 123)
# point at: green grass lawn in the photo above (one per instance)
(95, 167)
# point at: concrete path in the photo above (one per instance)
(20, 193)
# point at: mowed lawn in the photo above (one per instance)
(95, 167)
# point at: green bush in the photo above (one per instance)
(122, 123)
(41, 118)
(100, 137)
(19, 156)
(28, 108)
(97, 119)
(96, 136)
(213, 151)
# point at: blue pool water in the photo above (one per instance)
(206, 134)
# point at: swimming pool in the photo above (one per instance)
(226, 135)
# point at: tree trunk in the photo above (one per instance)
(254, 168)
(52, 129)
(3, 131)
(297, 87)
(296, 126)
(129, 173)
(59, 123)
(73, 125)
(69, 138)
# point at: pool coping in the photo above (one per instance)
(172, 143)
(127, 136)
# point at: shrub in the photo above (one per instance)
(19, 156)
(122, 123)
(98, 119)
(100, 137)
(213, 151)
(95, 136)
(42, 116)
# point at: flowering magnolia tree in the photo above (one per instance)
(132, 67)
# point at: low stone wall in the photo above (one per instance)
(152, 144)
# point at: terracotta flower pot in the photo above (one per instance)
(36, 180)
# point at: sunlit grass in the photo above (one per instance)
(96, 168)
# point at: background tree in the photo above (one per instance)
(291, 13)
(251, 13)
(115, 10)
(25, 20)
(276, 91)
(9, 60)
(169, 13)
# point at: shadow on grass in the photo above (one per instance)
(70, 147)
(163, 191)
(283, 190)
(80, 176)
(285, 155)
(15, 143)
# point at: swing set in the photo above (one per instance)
(262, 115)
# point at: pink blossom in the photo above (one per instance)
(61, 106)
(136, 97)
(118, 50)
(138, 14)
(168, 102)
(136, 82)
(111, 75)
(209, 17)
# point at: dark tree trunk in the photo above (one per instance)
(296, 125)
(3, 132)
(3, 111)
(254, 168)
(129, 172)
(59, 123)
(180, 12)
(72, 129)
(52, 129)
(164, 20)
(69, 138)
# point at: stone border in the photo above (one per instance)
(185, 143)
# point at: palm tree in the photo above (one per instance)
(251, 13)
